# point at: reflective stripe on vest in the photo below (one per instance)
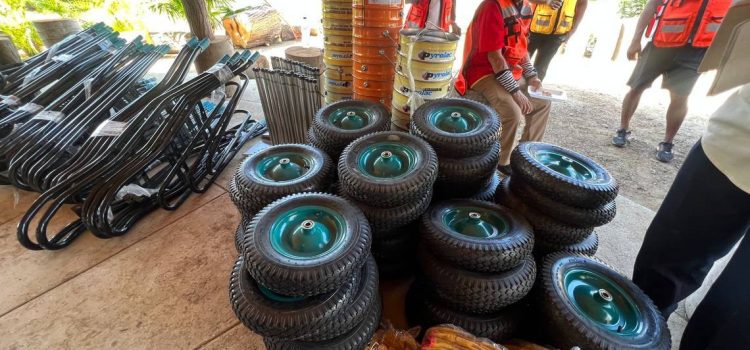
(693, 22)
(550, 21)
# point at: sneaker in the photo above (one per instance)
(621, 138)
(664, 152)
(505, 169)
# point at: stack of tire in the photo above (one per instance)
(389, 176)
(376, 33)
(273, 173)
(305, 278)
(336, 125)
(337, 50)
(563, 194)
(476, 263)
(464, 134)
(586, 304)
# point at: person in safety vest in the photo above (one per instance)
(432, 14)
(551, 26)
(683, 30)
(496, 64)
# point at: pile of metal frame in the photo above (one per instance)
(118, 146)
(290, 98)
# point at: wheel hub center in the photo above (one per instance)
(604, 294)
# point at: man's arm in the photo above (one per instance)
(504, 76)
(648, 12)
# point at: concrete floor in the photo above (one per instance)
(164, 284)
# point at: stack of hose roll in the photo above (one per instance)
(376, 34)
(424, 71)
(117, 146)
(337, 43)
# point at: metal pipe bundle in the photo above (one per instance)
(153, 153)
(41, 150)
(280, 63)
(289, 101)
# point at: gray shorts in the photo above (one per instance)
(678, 65)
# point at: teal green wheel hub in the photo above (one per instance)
(455, 120)
(350, 118)
(602, 301)
(475, 222)
(278, 297)
(283, 167)
(307, 232)
(387, 160)
(565, 165)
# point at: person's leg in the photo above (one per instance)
(678, 107)
(509, 112)
(702, 217)
(536, 121)
(630, 104)
(547, 51)
(721, 319)
(535, 40)
(652, 63)
(680, 80)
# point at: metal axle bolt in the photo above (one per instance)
(308, 224)
(604, 294)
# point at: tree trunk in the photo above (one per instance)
(8, 51)
(200, 25)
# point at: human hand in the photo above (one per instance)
(634, 50)
(535, 84)
(555, 4)
(455, 29)
(523, 102)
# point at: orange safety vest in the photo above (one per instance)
(417, 17)
(693, 22)
(550, 21)
(516, 24)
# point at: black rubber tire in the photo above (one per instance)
(397, 244)
(469, 174)
(288, 320)
(498, 327)
(494, 254)
(337, 138)
(333, 152)
(239, 233)
(461, 145)
(578, 193)
(588, 246)
(355, 339)
(545, 227)
(487, 193)
(570, 215)
(571, 329)
(313, 276)
(392, 192)
(476, 292)
(255, 191)
(385, 220)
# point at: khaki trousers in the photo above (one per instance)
(511, 116)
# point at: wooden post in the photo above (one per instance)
(312, 56)
(200, 25)
(618, 45)
(53, 31)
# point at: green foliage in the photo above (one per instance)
(631, 8)
(176, 11)
(67, 8)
